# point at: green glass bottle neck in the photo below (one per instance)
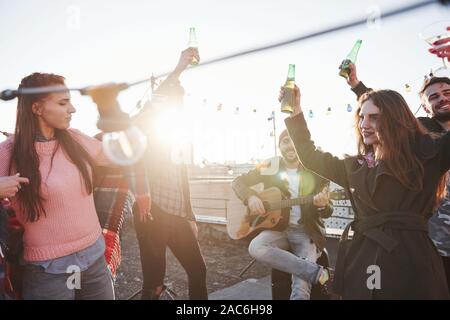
(291, 73)
(354, 53)
(192, 39)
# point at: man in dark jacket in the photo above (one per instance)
(294, 249)
(435, 96)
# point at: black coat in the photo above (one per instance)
(311, 217)
(390, 223)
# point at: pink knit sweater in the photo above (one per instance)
(71, 223)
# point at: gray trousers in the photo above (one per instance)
(95, 283)
(291, 251)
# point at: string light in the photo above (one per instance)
(349, 108)
(124, 147)
(311, 114)
(408, 87)
(328, 111)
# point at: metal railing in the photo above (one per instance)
(210, 218)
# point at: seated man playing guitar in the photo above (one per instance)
(298, 238)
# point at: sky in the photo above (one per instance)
(93, 42)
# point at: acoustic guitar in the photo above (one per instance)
(242, 224)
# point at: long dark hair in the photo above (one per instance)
(24, 157)
(398, 132)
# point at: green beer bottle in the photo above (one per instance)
(193, 44)
(351, 58)
(287, 104)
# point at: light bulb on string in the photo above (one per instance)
(407, 88)
(124, 147)
(123, 143)
(328, 111)
(311, 114)
(349, 108)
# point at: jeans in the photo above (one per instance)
(83, 259)
(95, 283)
(291, 251)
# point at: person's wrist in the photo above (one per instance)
(177, 72)
(354, 83)
(296, 112)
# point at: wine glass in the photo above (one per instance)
(434, 32)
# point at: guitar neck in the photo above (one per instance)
(287, 203)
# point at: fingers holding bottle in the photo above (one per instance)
(296, 107)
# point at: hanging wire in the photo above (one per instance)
(11, 94)
(408, 87)
(304, 37)
(418, 109)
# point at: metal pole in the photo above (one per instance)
(248, 266)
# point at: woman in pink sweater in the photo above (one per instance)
(63, 243)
